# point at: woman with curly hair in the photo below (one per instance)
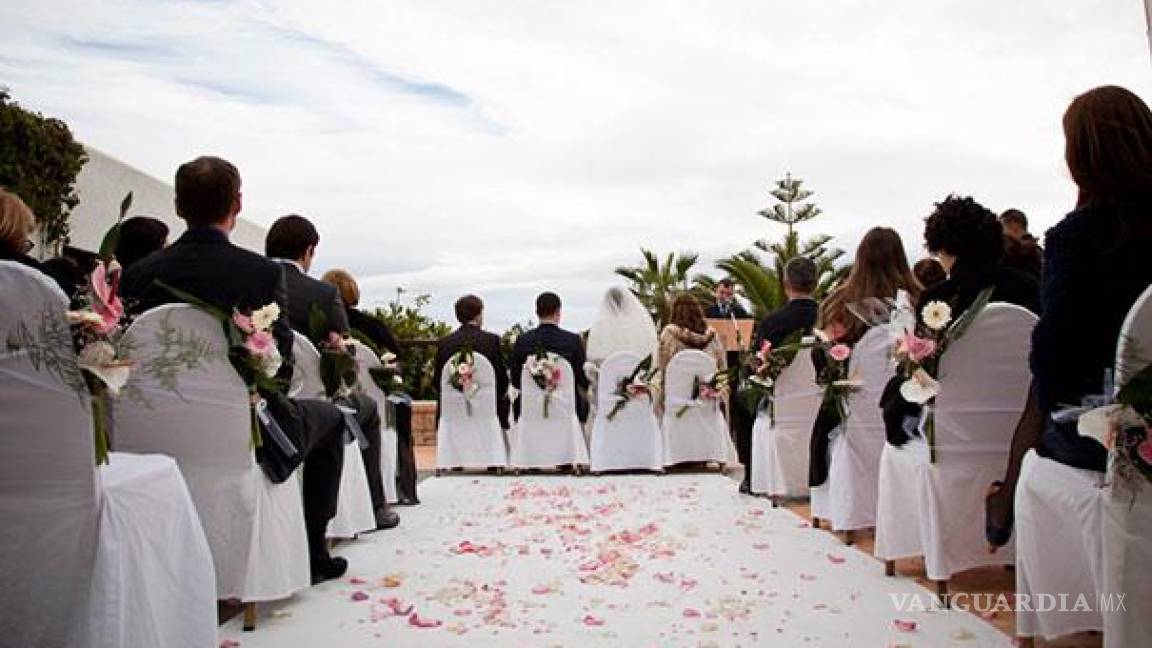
(686, 329)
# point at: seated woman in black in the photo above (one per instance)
(968, 241)
(1095, 266)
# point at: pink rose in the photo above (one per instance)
(260, 344)
(917, 348)
(1145, 450)
(840, 352)
(105, 301)
(334, 340)
(243, 322)
(765, 350)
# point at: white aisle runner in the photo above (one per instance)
(679, 560)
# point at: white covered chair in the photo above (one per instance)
(255, 528)
(475, 439)
(780, 447)
(110, 556)
(354, 507)
(558, 440)
(937, 509)
(701, 434)
(1127, 517)
(366, 360)
(632, 439)
(847, 500)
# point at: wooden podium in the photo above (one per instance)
(728, 329)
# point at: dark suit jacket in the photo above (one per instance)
(374, 330)
(204, 263)
(304, 293)
(486, 344)
(563, 343)
(714, 312)
(1095, 266)
(797, 315)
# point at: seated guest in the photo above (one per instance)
(880, 270)
(686, 329)
(967, 240)
(379, 338)
(17, 224)
(1015, 225)
(798, 316)
(204, 263)
(471, 335)
(292, 241)
(556, 340)
(1095, 266)
(929, 272)
(139, 237)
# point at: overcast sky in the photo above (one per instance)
(515, 146)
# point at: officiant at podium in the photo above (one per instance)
(740, 420)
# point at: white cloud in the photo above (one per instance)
(508, 147)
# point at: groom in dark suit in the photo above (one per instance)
(204, 263)
(471, 335)
(552, 338)
(292, 241)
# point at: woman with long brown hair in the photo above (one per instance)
(1095, 266)
(686, 329)
(881, 268)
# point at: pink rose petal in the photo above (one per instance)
(359, 596)
(592, 621)
(417, 621)
(357, 581)
(691, 613)
(836, 560)
(229, 643)
(905, 626)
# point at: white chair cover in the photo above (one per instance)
(937, 510)
(83, 560)
(389, 443)
(701, 434)
(780, 449)
(1127, 518)
(632, 439)
(476, 440)
(538, 442)
(354, 507)
(1058, 544)
(254, 527)
(848, 498)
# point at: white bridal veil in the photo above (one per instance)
(622, 324)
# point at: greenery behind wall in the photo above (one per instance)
(39, 161)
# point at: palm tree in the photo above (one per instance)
(655, 282)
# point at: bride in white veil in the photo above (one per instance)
(621, 324)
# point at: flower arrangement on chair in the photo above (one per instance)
(714, 391)
(765, 367)
(462, 376)
(834, 377)
(638, 384)
(1124, 427)
(545, 371)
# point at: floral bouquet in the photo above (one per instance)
(462, 376)
(97, 336)
(639, 383)
(712, 390)
(546, 373)
(1124, 427)
(387, 376)
(764, 367)
(834, 377)
(917, 354)
(337, 366)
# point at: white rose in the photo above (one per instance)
(937, 315)
(920, 388)
(270, 362)
(263, 318)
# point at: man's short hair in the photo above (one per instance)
(205, 190)
(468, 308)
(800, 274)
(726, 282)
(290, 237)
(547, 304)
(1014, 217)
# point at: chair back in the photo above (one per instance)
(984, 380)
(483, 403)
(1134, 349)
(870, 363)
(682, 370)
(615, 368)
(796, 394)
(48, 493)
(306, 382)
(561, 406)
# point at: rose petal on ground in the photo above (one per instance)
(593, 621)
(836, 560)
(904, 625)
(691, 613)
(417, 621)
(359, 596)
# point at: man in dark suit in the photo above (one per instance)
(205, 264)
(292, 241)
(726, 306)
(740, 420)
(470, 314)
(797, 316)
(556, 340)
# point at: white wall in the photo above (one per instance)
(103, 183)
